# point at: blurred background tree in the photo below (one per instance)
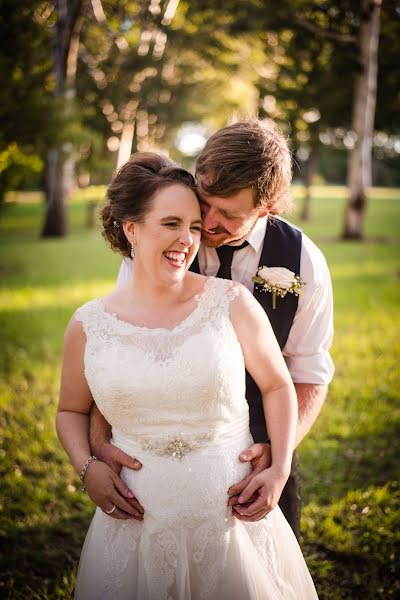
(25, 81)
(88, 82)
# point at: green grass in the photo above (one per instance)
(351, 497)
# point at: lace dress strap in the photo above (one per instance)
(217, 295)
(212, 303)
(88, 315)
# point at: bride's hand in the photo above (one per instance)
(106, 489)
(261, 495)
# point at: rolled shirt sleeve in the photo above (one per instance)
(125, 272)
(307, 348)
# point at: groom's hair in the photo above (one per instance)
(131, 191)
(248, 154)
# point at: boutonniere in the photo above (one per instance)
(278, 281)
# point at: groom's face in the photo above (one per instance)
(229, 219)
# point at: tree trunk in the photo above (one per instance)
(360, 158)
(91, 214)
(55, 224)
(60, 162)
(310, 172)
(125, 146)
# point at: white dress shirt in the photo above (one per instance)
(307, 348)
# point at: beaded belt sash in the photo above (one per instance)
(176, 446)
(179, 444)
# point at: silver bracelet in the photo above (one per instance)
(84, 469)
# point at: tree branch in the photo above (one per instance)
(99, 14)
(342, 38)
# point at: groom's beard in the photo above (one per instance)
(217, 237)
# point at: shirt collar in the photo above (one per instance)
(257, 234)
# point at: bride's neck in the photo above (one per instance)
(154, 294)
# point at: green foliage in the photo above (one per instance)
(17, 168)
(25, 73)
(349, 460)
(245, 57)
(361, 532)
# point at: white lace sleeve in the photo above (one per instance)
(232, 291)
(87, 314)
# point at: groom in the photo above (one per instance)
(244, 174)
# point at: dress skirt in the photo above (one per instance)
(189, 546)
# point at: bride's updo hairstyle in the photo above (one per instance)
(131, 191)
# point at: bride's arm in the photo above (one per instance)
(104, 487)
(265, 363)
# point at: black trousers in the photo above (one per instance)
(290, 502)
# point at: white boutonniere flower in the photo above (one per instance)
(278, 281)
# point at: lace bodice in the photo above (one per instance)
(160, 382)
(176, 401)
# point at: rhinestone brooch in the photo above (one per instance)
(176, 447)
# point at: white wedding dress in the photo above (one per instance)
(176, 400)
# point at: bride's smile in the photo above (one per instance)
(167, 240)
(176, 258)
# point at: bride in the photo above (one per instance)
(164, 359)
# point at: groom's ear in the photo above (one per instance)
(263, 211)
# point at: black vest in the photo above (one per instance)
(282, 248)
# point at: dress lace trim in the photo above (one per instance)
(206, 300)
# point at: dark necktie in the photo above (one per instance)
(225, 255)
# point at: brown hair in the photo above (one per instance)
(130, 193)
(248, 154)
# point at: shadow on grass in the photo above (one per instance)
(351, 517)
(355, 462)
(41, 561)
(352, 546)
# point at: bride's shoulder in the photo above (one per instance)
(226, 293)
(235, 292)
(242, 300)
(96, 305)
(216, 286)
(86, 316)
(83, 322)
(77, 328)
(86, 310)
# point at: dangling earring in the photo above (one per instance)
(132, 251)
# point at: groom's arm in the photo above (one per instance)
(307, 348)
(310, 398)
(307, 356)
(99, 438)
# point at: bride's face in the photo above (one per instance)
(167, 241)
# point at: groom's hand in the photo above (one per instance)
(259, 455)
(115, 458)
